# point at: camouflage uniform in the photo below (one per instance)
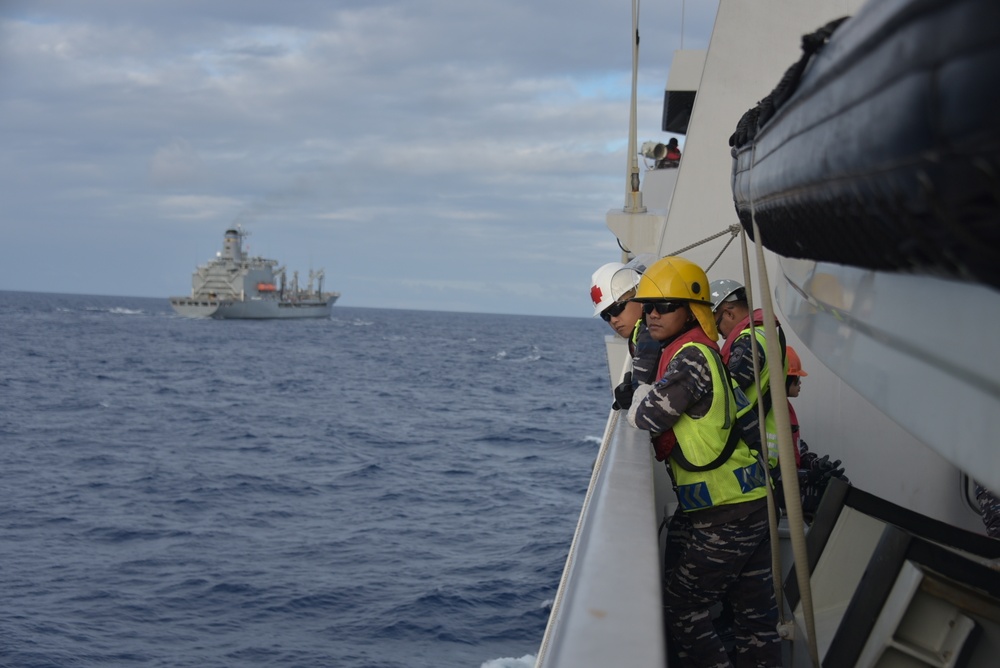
(740, 366)
(731, 563)
(989, 505)
(721, 553)
(645, 351)
(741, 360)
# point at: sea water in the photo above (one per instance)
(382, 488)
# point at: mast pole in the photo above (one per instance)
(633, 196)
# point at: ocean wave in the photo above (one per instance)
(519, 356)
(121, 535)
(526, 661)
(114, 310)
(247, 494)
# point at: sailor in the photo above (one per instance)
(718, 545)
(793, 386)
(732, 318)
(612, 286)
(672, 157)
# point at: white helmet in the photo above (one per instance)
(613, 280)
(600, 286)
(722, 289)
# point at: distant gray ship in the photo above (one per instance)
(234, 286)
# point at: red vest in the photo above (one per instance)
(665, 442)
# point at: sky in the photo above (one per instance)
(448, 155)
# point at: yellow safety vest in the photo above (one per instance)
(770, 424)
(739, 478)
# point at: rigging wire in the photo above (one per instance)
(733, 230)
(765, 455)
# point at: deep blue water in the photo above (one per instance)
(385, 488)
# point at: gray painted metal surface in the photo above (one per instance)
(235, 286)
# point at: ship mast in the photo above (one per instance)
(633, 196)
(636, 228)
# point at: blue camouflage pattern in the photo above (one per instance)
(728, 563)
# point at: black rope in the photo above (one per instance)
(757, 117)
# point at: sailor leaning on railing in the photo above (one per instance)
(611, 288)
(718, 543)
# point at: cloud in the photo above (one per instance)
(176, 164)
(420, 133)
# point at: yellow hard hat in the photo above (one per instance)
(676, 278)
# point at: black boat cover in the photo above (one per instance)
(880, 148)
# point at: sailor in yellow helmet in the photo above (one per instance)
(718, 545)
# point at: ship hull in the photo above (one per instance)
(253, 309)
(874, 182)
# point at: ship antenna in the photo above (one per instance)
(243, 234)
(683, 3)
(633, 196)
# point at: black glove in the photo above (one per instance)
(811, 497)
(823, 469)
(623, 393)
(806, 456)
(778, 489)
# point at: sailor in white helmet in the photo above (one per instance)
(611, 288)
(621, 314)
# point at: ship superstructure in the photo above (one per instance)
(234, 285)
(893, 570)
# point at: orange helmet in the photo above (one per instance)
(794, 363)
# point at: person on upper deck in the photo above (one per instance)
(672, 158)
(732, 318)
(612, 286)
(718, 543)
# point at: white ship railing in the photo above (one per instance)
(608, 610)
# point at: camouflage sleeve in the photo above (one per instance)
(741, 360)
(686, 387)
(646, 357)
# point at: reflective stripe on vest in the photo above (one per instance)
(738, 479)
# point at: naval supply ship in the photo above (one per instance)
(236, 286)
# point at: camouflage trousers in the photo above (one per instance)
(730, 564)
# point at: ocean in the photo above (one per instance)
(382, 489)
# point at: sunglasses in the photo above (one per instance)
(613, 311)
(662, 308)
(718, 319)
